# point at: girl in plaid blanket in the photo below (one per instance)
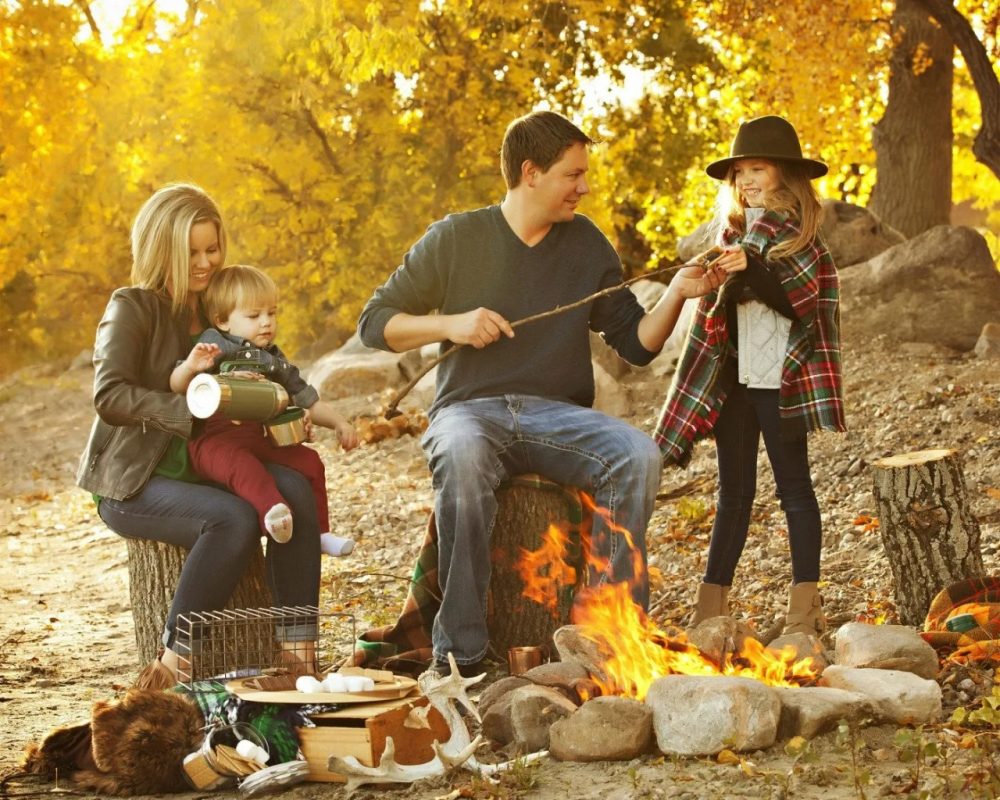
(762, 358)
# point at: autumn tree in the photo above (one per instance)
(913, 140)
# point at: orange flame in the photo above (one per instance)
(635, 650)
(544, 571)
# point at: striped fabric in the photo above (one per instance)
(811, 393)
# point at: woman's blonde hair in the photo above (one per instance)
(161, 238)
(235, 286)
(796, 198)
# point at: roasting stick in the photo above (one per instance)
(705, 261)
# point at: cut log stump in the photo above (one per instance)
(929, 533)
(153, 571)
(528, 506)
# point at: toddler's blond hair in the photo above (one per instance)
(235, 286)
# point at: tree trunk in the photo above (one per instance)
(929, 533)
(986, 146)
(913, 140)
(153, 571)
(527, 507)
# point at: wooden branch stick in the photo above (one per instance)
(705, 260)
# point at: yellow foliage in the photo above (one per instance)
(332, 134)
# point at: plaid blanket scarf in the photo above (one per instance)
(811, 394)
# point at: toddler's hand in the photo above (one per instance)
(202, 357)
(347, 436)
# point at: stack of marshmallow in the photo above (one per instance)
(334, 683)
(254, 752)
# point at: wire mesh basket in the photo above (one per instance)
(236, 643)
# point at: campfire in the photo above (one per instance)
(635, 650)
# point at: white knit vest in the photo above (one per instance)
(763, 339)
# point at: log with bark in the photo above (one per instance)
(153, 571)
(928, 530)
(527, 507)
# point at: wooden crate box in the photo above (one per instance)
(360, 730)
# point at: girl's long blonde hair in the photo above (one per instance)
(161, 239)
(796, 198)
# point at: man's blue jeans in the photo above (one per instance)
(474, 446)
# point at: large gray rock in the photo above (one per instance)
(533, 710)
(603, 729)
(854, 234)
(899, 697)
(939, 287)
(812, 710)
(699, 240)
(720, 637)
(695, 715)
(575, 648)
(885, 647)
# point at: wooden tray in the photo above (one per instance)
(281, 689)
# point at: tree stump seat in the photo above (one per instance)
(153, 571)
(929, 532)
(528, 505)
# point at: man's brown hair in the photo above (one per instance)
(540, 137)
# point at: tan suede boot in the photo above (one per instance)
(805, 610)
(712, 601)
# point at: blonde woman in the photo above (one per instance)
(136, 461)
(763, 358)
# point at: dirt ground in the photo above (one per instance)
(66, 636)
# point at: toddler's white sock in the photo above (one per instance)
(278, 522)
(335, 545)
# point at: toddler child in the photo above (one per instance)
(241, 303)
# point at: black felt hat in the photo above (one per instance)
(768, 137)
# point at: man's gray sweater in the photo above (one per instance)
(475, 259)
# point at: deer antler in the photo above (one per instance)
(388, 771)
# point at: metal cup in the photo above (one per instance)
(521, 659)
(288, 428)
(243, 399)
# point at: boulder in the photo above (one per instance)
(939, 287)
(696, 715)
(603, 729)
(854, 234)
(899, 697)
(811, 710)
(719, 637)
(885, 647)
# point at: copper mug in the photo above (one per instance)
(521, 659)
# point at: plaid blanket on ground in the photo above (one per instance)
(966, 616)
(405, 646)
(811, 394)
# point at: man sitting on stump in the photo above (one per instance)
(513, 404)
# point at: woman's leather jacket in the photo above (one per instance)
(139, 342)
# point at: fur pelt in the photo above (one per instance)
(137, 745)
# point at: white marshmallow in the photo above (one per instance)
(308, 684)
(246, 748)
(334, 683)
